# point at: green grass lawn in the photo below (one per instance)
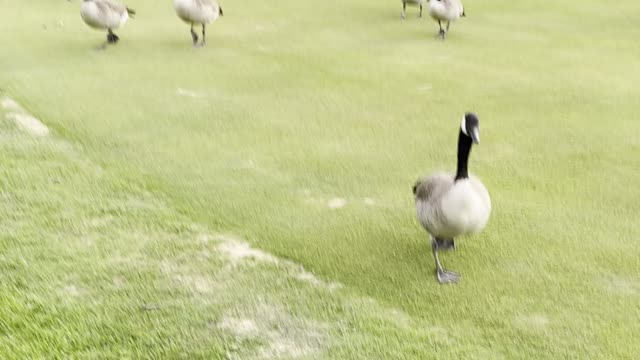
(125, 232)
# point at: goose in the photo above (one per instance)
(449, 205)
(105, 14)
(201, 12)
(412, 2)
(445, 10)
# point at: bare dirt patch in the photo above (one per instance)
(282, 334)
(621, 285)
(189, 93)
(72, 290)
(9, 104)
(237, 251)
(239, 327)
(22, 118)
(369, 201)
(337, 203)
(240, 252)
(531, 322)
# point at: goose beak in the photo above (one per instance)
(475, 135)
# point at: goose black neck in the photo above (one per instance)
(464, 148)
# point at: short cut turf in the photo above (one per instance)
(158, 153)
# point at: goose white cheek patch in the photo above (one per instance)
(463, 126)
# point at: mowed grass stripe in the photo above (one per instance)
(303, 103)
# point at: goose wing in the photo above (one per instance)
(111, 7)
(457, 7)
(428, 193)
(429, 188)
(206, 3)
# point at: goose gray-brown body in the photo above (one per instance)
(418, 3)
(449, 205)
(104, 14)
(447, 208)
(198, 12)
(445, 10)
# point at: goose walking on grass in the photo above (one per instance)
(412, 2)
(445, 10)
(201, 12)
(448, 205)
(105, 15)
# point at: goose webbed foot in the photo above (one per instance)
(444, 276)
(112, 38)
(447, 277)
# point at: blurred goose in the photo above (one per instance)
(449, 205)
(105, 15)
(445, 10)
(412, 2)
(197, 12)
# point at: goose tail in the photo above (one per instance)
(131, 12)
(415, 187)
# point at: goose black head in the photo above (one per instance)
(470, 127)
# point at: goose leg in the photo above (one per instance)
(420, 16)
(441, 32)
(444, 276)
(203, 35)
(194, 36)
(111, 37)
(404, 8)
(448, 23)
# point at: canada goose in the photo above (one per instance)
(197, 12)
(445, 10)
(105, 14)
(449, 206)
(412, 2)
